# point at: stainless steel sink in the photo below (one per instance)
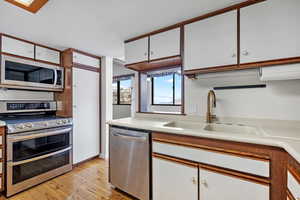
(233, 129)
(184, 125)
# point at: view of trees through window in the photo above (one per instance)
(122, 90)
(166, 90)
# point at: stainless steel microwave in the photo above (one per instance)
(21, 73)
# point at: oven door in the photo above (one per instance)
(35, 157)
(26, 73)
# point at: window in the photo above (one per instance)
(122, 90)
(29, 5)
(166, 90)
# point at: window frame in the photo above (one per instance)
(173, 92)
(119, 94)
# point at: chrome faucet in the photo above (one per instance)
(211, 103)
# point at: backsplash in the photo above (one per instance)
(279, 100)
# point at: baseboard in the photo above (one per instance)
(86, 160)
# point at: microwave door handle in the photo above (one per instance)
(55, 77)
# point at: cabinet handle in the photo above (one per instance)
(74, 106)
(151, 52)
(204, 183)
(245, 53)
(194, 181)
(233, 55)
(145, 54)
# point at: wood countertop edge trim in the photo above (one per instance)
(216, 150)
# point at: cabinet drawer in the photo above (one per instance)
(86, 60)
(17, 47)
(294, 185)
(48, 55)
(229, 161)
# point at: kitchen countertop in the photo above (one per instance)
(278, 133)
(2, 123)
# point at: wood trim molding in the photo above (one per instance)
(122, 76)
(86, 67)
(31, 59)
(294, 173)
(277, 156)
(241, 154)
(211, 14)
(35, 6)
(84, 53)
(290, 195)
(243, 176)
(27, 41)
(176, 160)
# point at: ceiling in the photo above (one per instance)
(101, 26)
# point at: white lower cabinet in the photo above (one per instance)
(215, 186)
(174, 181)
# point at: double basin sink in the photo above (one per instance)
(216, 128)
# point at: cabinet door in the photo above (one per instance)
(222, 187)
(165, 44)
(270, 30)
(174, 181)
(136, 51)
(86, 133)
(48, 55)
(86, 60)
(211, 42)
(17, 47)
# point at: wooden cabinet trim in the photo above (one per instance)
(86, 67)
(289, 195)
(176, 160)
(25, 58)
(217, 150)
(27, 41)
(83, 53)
(195, 19)
(219, 170)
(278, 157)
(235, 174)
(294, 173)
(161, 63)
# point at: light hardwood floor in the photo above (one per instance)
(88, 181)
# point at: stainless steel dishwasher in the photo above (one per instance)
(129, 160)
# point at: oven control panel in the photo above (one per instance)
(38, 125)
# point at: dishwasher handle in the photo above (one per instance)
(130, 137)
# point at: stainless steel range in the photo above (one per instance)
(39, 144)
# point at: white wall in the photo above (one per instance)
(279, 100)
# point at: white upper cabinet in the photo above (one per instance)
(215, 186)
(211, 42)
(86, 60)
(48, 55)
(270, 30)
(17, 47)
(136, 51)
(165, 44)
(174, 181)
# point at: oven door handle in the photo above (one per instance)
(39, 157)
(29, 136)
